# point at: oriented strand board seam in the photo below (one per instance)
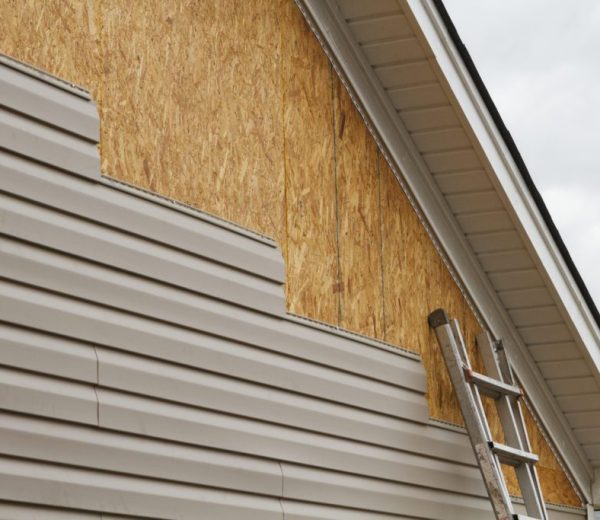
(359, 230)
(310, 195)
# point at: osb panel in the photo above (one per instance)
(416, 282)
(59, 36)
(405, 266)
(556, 486)
(359, 235)
(247, 141)
(155, 124)
(255, 128)
(311, 249)
(192, 113)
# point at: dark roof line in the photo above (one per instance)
(516, 155)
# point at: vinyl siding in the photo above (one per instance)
(149, 370)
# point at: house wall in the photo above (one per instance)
(148, 367)
(256, 128)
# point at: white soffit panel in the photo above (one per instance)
(408, 100)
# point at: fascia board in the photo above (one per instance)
(412, 173)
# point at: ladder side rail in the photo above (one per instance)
(460, 342)
(533, 491)
(464, 356)
(475, 391)
(512, 433)
(506, 368)
(511, 418)
(477, 429)
(503, 362)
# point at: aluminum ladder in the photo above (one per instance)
(499, 384)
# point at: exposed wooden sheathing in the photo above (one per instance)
(404, 266)
(54, 35)
(192, 113)
(416, 281)
(151, 51)
(232, 107)
(311, 226)
(555, 483)
(359, 228)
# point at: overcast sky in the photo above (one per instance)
(540, 60)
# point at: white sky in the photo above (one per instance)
(540, 60)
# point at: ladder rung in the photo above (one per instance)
(490, 386)
(469, 388)
(512, 456)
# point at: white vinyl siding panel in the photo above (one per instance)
(440, 140)
(526, 298)
(520, 279)
(469, 203)
(555, 351)
(416, 97)
(494, 242)
(420, 119)
(503, 261)
(372, 8)
(38, 394)
(377, 27)
(539, 316)
(452, 161)
(546, 334)
(564, 369)
(14, 511)
(62, 357)
(485, 222)
(573, 385)
(396, 50)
